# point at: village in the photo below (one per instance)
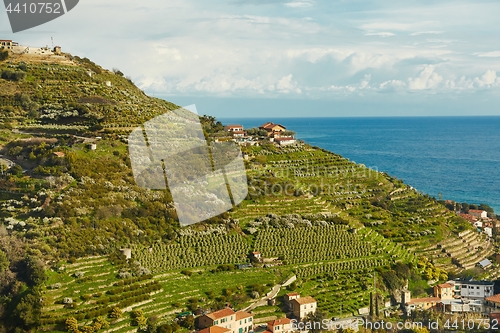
(270, 132)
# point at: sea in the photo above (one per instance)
(455, 158)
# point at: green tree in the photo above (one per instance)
(100, 323)
(313, 319)
(188, 322)
(16, 170)
(115, 313)
(465, 207)
(71, 324)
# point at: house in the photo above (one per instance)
(422, 304)
(493, 301)
(285, 141)
(283, 325)
(472, 289)
(235, 322)
(233, 128)
(214, 329)
(6, 43)
(127, 252)
(488, 231)
(256, 256)
(444, 291)
(288, 297)
(57, 50)
(468, 217)
(485, 263)
(461, 306)
(478, 213)
(273, 129)
(494, 319)
(244, 322)
(302, 306)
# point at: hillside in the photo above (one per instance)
(67, 210)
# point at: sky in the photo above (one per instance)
(293, 58)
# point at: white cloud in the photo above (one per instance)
(489, 77)
(300, 4)
(381, 34)
(366, 81)
(493, 54)
(392, 85)
(427, 79)
(418, 33)
(286, 85)
(387, 26)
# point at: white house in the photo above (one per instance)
(303, 306)
(478, 213)
(285, 141)
(488, 231)
(235, 322)
(282, 325)
(473, 289)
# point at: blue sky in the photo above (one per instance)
(293, 57)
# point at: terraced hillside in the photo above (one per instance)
(310, 212)
(305, 179)
(179, 282)
(465, 252)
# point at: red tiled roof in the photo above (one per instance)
(495, 315)
(304, 300)
(270, 125)
(282, 321)
(445, 285)
(243, 315)
(214, 329)
(494, 298)
(476, 210)
(284, 139)
(424, 300)
(59, 154)
(293, 294)
(221, 313)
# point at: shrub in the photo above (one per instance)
(4, 54)
(13, 75)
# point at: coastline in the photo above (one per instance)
(388, 145)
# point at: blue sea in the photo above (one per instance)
(456, 158)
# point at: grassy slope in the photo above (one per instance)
(372, 202)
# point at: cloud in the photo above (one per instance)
(392, 85)
(204, 47)
(493, 54)
(427, 79)
(381, 34)
(366, 81)
(398, 26)
(418, 33)
(286, 85)
(300, 4)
